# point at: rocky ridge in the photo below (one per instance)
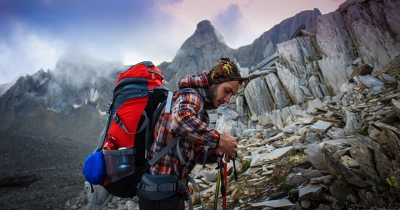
(202, 50)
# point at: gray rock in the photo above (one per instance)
(310, 191)
(336, 44)
(337, 170)
(365, 159)
(257, 92)
(295, 179)
(370, 32)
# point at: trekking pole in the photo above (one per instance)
(217, 185)
(224, 186)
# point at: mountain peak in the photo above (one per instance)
(204, 25)
(206, 29)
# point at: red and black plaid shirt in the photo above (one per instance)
(188, 119)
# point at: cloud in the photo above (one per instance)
(35, 33)
(234, 27)
(26, 52)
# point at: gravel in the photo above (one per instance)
(40, 173)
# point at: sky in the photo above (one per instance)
(35, 33)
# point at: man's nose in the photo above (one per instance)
(227, 98)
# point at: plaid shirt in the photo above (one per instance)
(188, 119)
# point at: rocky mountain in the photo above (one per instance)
(202, 50)
(198, 52)
(69, 102)
(265, 46)
(318, 124)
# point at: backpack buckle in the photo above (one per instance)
(151, 93)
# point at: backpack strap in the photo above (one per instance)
(169, 102)
(150, 129)
(103, 134)
(179, 152)
(120, 123)
(119, 152)
(163, 151)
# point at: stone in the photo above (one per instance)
(314, 155)
(396, 106)
(326, 180)
(383, 165)
(320, 126)
(362, 69)
(257, 92)
(287, 164)
(258, 159)
(352, 122)
(372, 29)
(286, 142)
(337, 170)
(339, 191)
(365, 158)
(274, 203)
(309, 191)
(278, 93)
(336, 44)
(310, 174)
(229, 113)
(349, 162)
(295, 179)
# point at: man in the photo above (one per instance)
(189, 120)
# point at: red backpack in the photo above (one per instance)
(136, 103)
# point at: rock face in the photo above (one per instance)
(203, 49)
(265, 46)
(320, 65)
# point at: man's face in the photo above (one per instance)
(222, 93)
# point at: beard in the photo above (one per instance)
(214, 94)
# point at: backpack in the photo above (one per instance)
(119, 161)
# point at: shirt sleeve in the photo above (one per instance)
(186, 120)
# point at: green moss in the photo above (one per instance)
(282, 186)
(298, 158)
(245, 166)
(392, 181)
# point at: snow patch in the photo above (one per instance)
(76, 106)
(102, 113)
(94, 95)
(50, 109)
(42, 82)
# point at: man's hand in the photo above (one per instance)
(227, 145)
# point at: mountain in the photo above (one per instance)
(265, 46)
(203, 49)
(199, 52)
(69, 102)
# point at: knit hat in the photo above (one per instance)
(225, 71)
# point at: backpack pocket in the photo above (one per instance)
(94, 168)
(119, 163)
